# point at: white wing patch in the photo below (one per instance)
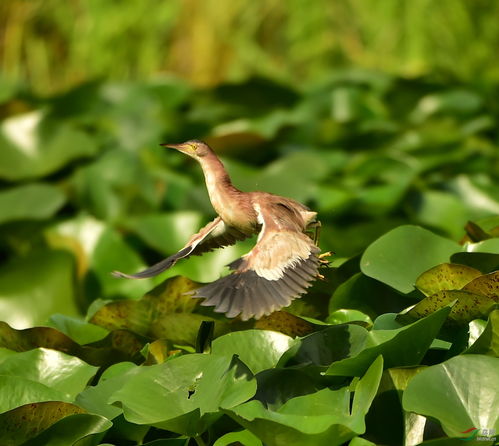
(276, 251)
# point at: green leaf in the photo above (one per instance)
(367, 295)
(469, 306)
(37, 201)
(78, 330)
(358, 441)
(16, 391)
(34, 145)
(451, 101)
(482, 261)
(490, 246)
(258, 349)
(98, 250)
(119, 345)
(442, 210)
(320, 418)
(244, 437)
(56, 370)
(366, 388)
(345, 316)
(405, 346)
(278, 385)
(167, 233)
(488, 342)
(71, 429)
(454, 393)
(327, 346)
(185, 394)
(50, 287)
(400, 256)
(446, 276)
(405, 428)
(95, 399)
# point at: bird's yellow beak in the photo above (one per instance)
(186, 148)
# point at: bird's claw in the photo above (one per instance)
(322, 257)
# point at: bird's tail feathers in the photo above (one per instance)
(158, 267)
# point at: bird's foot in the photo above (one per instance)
(322, 257)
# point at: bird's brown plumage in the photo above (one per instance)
(281, 266)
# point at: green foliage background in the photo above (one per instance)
(382, 116)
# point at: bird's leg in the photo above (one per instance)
(315, 229)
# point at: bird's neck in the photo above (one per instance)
(220, 188)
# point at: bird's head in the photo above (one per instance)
(194, 148)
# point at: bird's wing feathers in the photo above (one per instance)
(278, 269)
(214, 235)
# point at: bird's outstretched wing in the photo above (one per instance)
(277, 270)
(214, 235)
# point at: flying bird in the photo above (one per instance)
(281, 266)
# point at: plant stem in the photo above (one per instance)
(199, 440)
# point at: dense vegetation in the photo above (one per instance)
(397, 170)
(54, 45)
(397, 345)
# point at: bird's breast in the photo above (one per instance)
(237, 217)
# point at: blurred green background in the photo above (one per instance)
(373, 113)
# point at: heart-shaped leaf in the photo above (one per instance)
(185, 394)
(54, 369)
(405, 346)
(35, 201)
(454, 393)
(400, 256)
(320, 418)
(271, 346)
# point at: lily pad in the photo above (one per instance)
(400, 256)
(16, 391)
(258, 349)
(78, 330)
(164, 312)
(469, 306)
(25, 422)
(34, 145)
(244, 437)
(54, 369)
(286, 323)
(185, 394)
(486, 285)
(320, 418)
(446, 276)
(35, 201)
(454, 393)
(362, 293)
(119, 345)
(488, 341)
(95, 399)
(98, 249)
(50, 287)
(71, 429)
(405, 346)
(405, 427)
(344, 316)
